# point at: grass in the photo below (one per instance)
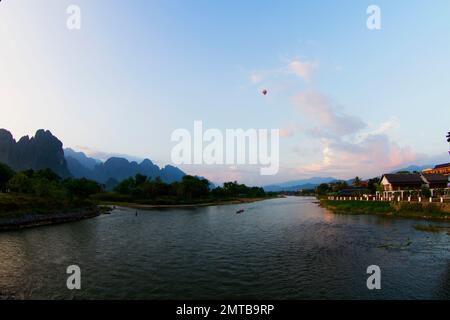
(408, 210)
(13, 204)
(357, 207)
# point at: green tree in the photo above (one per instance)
(20, 183)
(356, 182)
(82, 188)
(372, 185)
(425, 192)
(125, 186)
(193, 187)
(323, 188)
(5, 174)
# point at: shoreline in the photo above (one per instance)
(385, 209)
(30, 220)
(21, 221)
(187, 205)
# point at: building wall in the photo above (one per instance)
(444, 171)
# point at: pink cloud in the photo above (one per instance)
(347, 148)
(330, 119)
(303, 69)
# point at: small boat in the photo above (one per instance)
(240, 211)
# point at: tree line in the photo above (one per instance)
(189, 188)
(46, 183)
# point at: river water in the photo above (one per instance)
(277, 249)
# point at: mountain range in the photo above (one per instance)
(117, 168)
(312, 183)
(44, 150)
(295, 185)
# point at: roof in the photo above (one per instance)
(444, 165)
(352, 190)
(404, 178)
(435, 178)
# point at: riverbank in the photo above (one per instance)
(29, 220)
(426, 211)
(204, 203)
(19, 211)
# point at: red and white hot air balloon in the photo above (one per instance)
(264, 92)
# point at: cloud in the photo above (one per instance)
(373, 156)
(387, 126)
(348, 145)
(303, 69)
(329, 118)
(257, 77)
(288, 131)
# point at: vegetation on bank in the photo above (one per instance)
(44, 191)
(189, 191)
(413, 210)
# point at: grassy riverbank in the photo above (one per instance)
(430, 211)
(19, 211)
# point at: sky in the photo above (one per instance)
(348, 100)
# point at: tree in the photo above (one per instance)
(82, 188)
(47, 174)
(338, 186)
(20, 183)
(193, 187)
(372, 185)
(425, 192)
(6, 174)
(357, 181)
(323, 188)
(125, 186)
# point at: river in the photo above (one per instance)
(277, 249)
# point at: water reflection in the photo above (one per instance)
(281, 248)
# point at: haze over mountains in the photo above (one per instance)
(44, 150)
(312, 183)
(117, 168)
(295, 185)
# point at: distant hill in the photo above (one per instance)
(42, 151)
(295, 185)
(116, 169)
(84, 160)
(413, 168)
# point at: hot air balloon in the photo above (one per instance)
(264, 92)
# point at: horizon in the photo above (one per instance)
(102, 157)
(348, 101)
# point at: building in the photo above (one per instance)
(439, 169)
(435, 180)
(405, 182)
(353, 191)
(401, 181)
